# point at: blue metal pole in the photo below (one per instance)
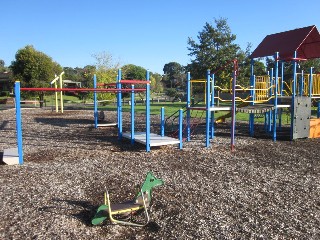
(233, 109)
(132, 114)
(251, 115)
(18, 122)
(310, 82)
(147, 114)
(281, 93)
(208, 109)
(162, 121)
(188, 106)
(95, 102)
(293, 92)
(301, 84)
(180, 128)
(282, 77)
(271, 91)
(276, 58)
(318, 110)
(119, 106)
(252, 93)
(212, 105)
(266, 117)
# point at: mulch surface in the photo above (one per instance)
(262, 190)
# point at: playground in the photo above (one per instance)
(263, 190)
(217, 177)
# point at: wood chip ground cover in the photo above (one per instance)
(263, 190)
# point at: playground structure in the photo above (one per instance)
(141, 202)
(210, 107)
(147, 138)
(268, 95)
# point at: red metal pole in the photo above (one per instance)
(115, 90)
(134, 82)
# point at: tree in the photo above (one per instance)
(216, 48)
(131, 71)
(74, 74)
(106, 71)
(156, 82)
(2, 67)
(34, 68)
(174, 75)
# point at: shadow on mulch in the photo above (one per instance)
(63, 122)
(86, 212)
(3, 124)
(1, 159)
(82, 210)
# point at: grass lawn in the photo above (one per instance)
(170, 109)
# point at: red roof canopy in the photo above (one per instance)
(306, 41)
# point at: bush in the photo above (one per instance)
(4, 94)
(171, 92)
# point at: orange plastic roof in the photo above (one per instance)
(306, 41)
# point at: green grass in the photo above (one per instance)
(51, 99)
(155, 108)
(171, 108)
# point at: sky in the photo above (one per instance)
(146, 33)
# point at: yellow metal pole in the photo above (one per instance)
(56, 97)
(61, 93)
(54, 81)
(205, 94)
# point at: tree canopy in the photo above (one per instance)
(131, 71)
(214, 49)
(2, 67)
(174, 75)
(34, 68)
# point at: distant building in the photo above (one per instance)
(71, 84)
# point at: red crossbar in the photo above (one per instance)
(106, 84)
(135, 81)
(82, 89)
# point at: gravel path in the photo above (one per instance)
(263, 190)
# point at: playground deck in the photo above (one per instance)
(155, 139)
(258, 108)
(261, 108)
(212, 109)
(107, 124)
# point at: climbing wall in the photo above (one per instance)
(302, 115)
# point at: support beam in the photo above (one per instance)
(18, 121)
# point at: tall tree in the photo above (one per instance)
(74, 74)
(106, 71)
(34, 68)
(214, 49)
(156, 82)
(174, 75)
(131, 71)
